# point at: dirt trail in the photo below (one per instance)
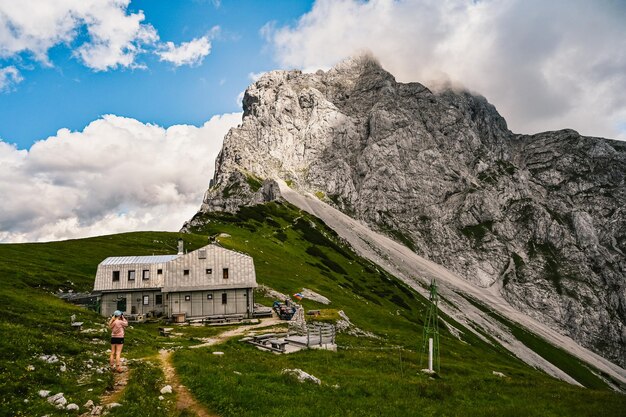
(120, 380)
(185, 400)
(238, 331)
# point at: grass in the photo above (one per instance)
(292, 250)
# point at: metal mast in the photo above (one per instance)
(430, 337)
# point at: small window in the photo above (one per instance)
(146, 300)
(209, 271)
(209, 296)
(186, 272)
(145, 274)
(225, 273)
(131, 275)
(158, 299)
(224, 298)
(188, 298)
(116, 275)
(202, 254)
(159, 272)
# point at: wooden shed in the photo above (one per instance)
(210, 281)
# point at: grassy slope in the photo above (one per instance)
(34, 322)
(366, 376)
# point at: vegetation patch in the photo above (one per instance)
(255, 183)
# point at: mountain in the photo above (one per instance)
(539, 219)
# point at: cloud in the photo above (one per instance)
(188, 53)
(103, 34)
(9, 77)
(117, 175)
(545, 65)
(113, 35)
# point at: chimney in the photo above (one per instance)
(180, 246)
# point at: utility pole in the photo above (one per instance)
(430, 337)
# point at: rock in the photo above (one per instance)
(500, 374)
(49, 358)
(57, 400)
(218, 353)
(161, 398)
(302, 376)
(312, 295)
(43, 393)
(88, 404)
(538, 216)
(72, 407)
(166, 389)
(63, 368)
(113, 405)
(96, 411)
(30, 368)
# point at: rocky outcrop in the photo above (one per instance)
(541, 217)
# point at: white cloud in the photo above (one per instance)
(114, 36)
(545, 65)
(188, 53)
(117, 175)
(9, 77)
(103, 34)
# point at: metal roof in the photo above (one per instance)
(124, 260)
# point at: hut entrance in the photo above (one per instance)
(121, 304)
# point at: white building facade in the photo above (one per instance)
(210, 281)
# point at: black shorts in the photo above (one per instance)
(117, 340)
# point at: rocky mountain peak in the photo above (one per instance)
(540, 217)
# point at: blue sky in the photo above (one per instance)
(112, 112)
(70, 95)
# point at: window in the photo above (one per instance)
(159, 272)
(202, 254)
(186, 272)
(158, 299)
(209, 296)
(131, 275)
(225, 273)
(146, 300)
(188, 298)
(209, 271)
(116, 275)
(224, 298)
(145, 274)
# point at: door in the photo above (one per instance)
(121, 304)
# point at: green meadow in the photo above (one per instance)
(366, 376)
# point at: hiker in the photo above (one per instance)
(117, 324)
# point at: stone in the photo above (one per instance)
(500, 374)
(166, 389)
(72, 407)
(88, 404)
(57, 400)
(538, 217)
(302, 376)
(43, 393)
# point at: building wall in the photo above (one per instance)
(104, 277)
(134, 302)
(203, 269)
(210, 303)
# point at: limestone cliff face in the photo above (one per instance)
(541, 217)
